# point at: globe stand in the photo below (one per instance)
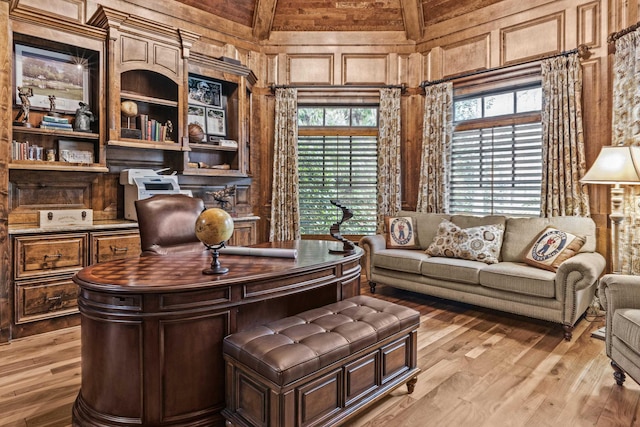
(215, 263)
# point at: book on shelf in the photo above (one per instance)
(53, 119)
(52, 125)
(151, 129)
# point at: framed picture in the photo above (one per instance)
(62, 77)
(205, 92)
(75, 151)
(196, 114)
(216, 122)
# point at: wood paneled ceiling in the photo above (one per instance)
(410, 16)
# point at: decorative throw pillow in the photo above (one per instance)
(400, 232)
(481, 243)
(552, 247)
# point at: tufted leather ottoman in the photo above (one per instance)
(320, 366)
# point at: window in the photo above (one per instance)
(337, 160)
(496, 156)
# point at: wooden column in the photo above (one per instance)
(5, 141)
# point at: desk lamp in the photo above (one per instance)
(616, 166)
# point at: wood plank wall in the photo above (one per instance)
(507, 33)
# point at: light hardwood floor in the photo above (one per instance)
(479, 368)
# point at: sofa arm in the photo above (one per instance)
(575, 275)
(582, 270)
(370, 245)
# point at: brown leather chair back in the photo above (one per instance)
(167, 223)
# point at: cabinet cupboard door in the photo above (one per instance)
(48, 254)
(110, 246)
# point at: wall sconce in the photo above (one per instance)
(616, 166)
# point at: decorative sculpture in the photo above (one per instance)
(83, 120)
(220, 196)
(348, 247)
(24, 93)
(52, 106)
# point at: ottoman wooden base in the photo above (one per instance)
(320, 367)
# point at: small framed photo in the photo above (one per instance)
(205, 92)
(196, 114)
(48, 76)
(216, 122)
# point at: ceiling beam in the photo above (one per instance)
(263, 18)
(412, 17)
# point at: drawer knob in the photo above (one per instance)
(116, 249)
(57, 256)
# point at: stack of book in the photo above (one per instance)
(52, 122)
(151, 129)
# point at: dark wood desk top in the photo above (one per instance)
(178, 272)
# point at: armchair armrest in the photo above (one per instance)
(619, 291)
(370, 245)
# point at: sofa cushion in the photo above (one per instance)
(406, 260)
(481, 243)
(466, 221)
(520, 232)
(552, 247)
(453, 269)
(519, 278)
(626, 324)
(400, 232)
(425, 225)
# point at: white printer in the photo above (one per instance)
(143, 183)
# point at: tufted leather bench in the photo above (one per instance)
(320, 366)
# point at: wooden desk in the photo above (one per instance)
(152, 327)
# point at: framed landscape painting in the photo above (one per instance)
(49, 73)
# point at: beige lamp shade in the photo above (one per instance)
(615, 165)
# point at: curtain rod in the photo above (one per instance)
(582, 51)
(615, 36)
(342, 87)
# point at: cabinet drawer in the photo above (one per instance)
(41, 299)
(47, 254)
(108, 246)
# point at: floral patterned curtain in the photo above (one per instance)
(563, 155)
(389, 189)
(437, 133)
(626, 131)
(285, 212)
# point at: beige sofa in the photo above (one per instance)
(509, 285)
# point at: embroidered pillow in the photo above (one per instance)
(552, 247)
(400, 232)
(481, 243)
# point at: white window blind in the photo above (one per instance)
(497, 170)
(340, 168)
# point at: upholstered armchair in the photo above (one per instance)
(620, 297)
(167, 223)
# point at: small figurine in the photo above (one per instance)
(169, 126)
(52, 103)
(24, 93)
(83, 120)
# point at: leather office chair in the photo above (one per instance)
(620, 296)
(167, 223)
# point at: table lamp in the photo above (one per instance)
(616, 166)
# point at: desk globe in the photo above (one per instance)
(214, 227)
